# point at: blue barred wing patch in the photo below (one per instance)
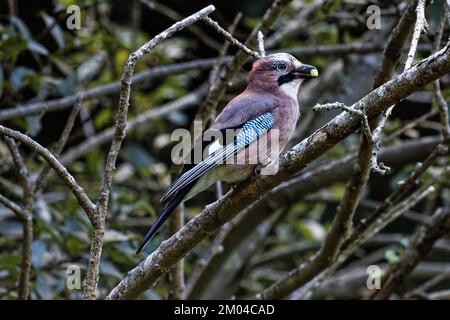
(249, 133)
(253, 129)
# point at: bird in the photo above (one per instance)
(262, 117)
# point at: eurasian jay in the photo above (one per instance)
(267, 110)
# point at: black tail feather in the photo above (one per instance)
(171, 206)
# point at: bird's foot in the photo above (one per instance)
(257, 171)
(270, 168)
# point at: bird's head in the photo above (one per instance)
(280, 71)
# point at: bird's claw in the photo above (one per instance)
(257, 171)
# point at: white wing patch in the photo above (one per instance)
(214, 147)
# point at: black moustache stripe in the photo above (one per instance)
(285, 78)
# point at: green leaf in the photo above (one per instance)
(103, 117)
(10, 262)
(22, 27)
(37, 47)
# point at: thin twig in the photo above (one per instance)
(176, 276)
(175, 16)
(366, 160)
(231, 39)
(215, 72)
(297, 25)
(204, 261)
(319, 266)
(338, 105)
(103, 90)
(204, 114)
(404, 187)
(17, 209)
(287, 193)
(420, 26)
(348, 249)
(39, 182)
(262, 50)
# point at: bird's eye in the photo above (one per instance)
(281, 67)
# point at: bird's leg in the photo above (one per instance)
(257, 170)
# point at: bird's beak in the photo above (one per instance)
(305, 72)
